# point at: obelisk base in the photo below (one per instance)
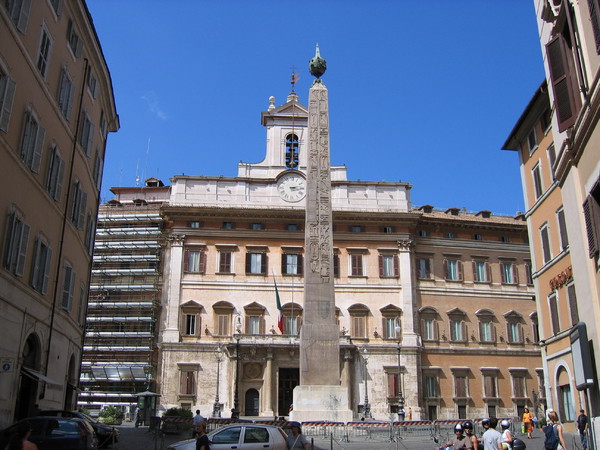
(316, 403)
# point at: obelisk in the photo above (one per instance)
(319, 395)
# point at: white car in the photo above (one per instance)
(242, 436)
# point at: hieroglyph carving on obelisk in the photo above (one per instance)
(319, 337)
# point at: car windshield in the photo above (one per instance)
(227, 436)
(86, 417)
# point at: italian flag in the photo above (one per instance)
(280, 319)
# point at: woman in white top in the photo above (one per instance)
(507, 438)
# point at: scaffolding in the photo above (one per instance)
(120, 347)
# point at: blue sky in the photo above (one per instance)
(420, 91)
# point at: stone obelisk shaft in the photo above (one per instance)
(319, 336)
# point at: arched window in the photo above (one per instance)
(429, 323)
(358, 320)
(487, 330)
(190, 319)
(255, 318)
(292, 318)
(291, 151)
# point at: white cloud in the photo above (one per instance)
(155, 108)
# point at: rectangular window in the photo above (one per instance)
(98, 166)
(225, 261)
(481, 271)
(223, 321)
(536, 172)
(355, 228)
(528, 273)
(424, 266)
(393, 385)
(532, 141)
(18, 10)
(92, 83)
(291, 264)
(519, 387)
(190, 324)
(228, 225)
(389, 327)
(188, 382)
(423, 233)
(90, 229)
(256, 263)
(456, 330)
(388, 266)
(65, 93)
(44, 53)
(509, 273)
(489, 386)
(573, 303)
(388, 229)
(15, 246)
(41, 266)
(356, 264)
(68, 287)
(451, 235)
(253, 324)
(32, 142)
(292, 227)
(453, 269)
(591, 212)
(56, 6)
(86, 133)
(486, 331)
(460, 386)
(74, 40)
(359, 327)
(562, 228)
(429, 329)
(514, 333)
(554, 319)
(82, 303)
(7, 94)
(78, 205)
(257, 226)
(545, 238)
(431, 386)
(195, 261)
(551, 159)
(290, 325)
(195, 224)
(55, 174)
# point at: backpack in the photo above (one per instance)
(551, 442)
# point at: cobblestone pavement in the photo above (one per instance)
(141, 439)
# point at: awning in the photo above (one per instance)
(38, 376)
(147, 394)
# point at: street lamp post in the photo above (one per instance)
(367, 406)
(217, 407)
(235, 412)
(401, 412)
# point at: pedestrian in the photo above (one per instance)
(468, 426)
(409, 413)
(19, 440)
(527, 423)
(582, 426)
(556, 433)
(195, 421)
(492, 439)
(459, 441)
(296, 440)
(536, 422)
(202, 441)
(507, 438)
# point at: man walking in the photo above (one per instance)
(492, 439)
(582, 426)
(195, 421)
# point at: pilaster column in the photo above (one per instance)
(408, 292)
(268, 385)
(172, 292)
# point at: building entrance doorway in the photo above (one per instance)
(251, 402)
(288, 380)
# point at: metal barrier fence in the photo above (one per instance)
(324, 429)
(370, 431)
(415, 429)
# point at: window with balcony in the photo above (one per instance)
(255, 318)
(292, 318)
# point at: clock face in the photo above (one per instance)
(291, 187)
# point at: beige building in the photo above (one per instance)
(558, 140)
(435, 308)
(56, 109)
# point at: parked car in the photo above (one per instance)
(103, 432)
(246, 436)
(56, 433)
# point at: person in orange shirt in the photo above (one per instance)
(527, 422)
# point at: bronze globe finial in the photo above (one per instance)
(317, 65)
